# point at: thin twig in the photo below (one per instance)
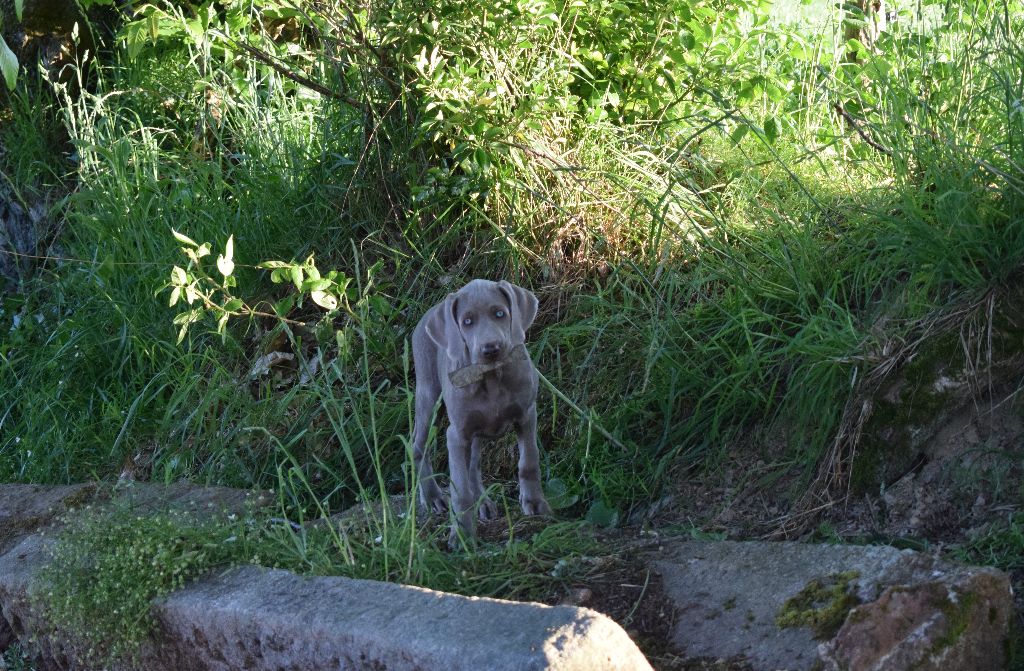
(860, 131)
(586, 414)
(285, 71)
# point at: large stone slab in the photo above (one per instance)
(25, 508)
(792, 606)
(254, 618)
(147, 497)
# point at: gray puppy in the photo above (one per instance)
(470, 350)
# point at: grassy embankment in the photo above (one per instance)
(715, 267)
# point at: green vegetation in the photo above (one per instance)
(822, 605)
(109, 567)
(738, 223)
(1001, 545)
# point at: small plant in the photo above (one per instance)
(109, 565)
(1002, 546)
(197, 286)
(16, 659)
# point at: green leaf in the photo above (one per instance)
(225, 262)
(8, 64)
(233, 305)
(772, 129)
(324, 300)
(178, 276)
(739, 133)
(284, 306)
(481, 158)
(312, 284)
(175, 295)
(19, 8)
(134, 37)
(602, 515)
(225, 265)
(295, 273)
(184, 239)
(558, 494)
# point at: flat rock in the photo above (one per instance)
(147, 497)
(25, 508)
(746, 601)
(253, 618)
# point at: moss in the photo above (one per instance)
(888, 446)
(1013, 646)
(958, 614)
(822, 605)
(890, 440)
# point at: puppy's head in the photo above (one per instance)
(482, 321)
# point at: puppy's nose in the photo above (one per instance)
(491, 350)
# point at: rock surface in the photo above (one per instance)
(954, 624)
(760, 604)
(254, 618)
(26, 508)
(770, 606)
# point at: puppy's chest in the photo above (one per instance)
(493, 414)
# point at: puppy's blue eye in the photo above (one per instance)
(467, 321)
(499, 314)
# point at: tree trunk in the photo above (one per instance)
(864, 26)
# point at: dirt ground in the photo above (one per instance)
(968, 481)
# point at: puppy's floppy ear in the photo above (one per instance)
(443, 329)
(522, 309)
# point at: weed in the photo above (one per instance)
(107, 568)
(1002, 546)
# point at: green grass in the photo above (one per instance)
(700, 291)
(1002, 546)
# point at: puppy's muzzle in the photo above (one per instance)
(491, 351)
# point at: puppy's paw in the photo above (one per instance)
(458, 542)
(488, 510)
(434, 500)
(534, 504)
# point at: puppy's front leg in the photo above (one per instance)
(531, 496)
(488, 511)
(461, 486)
